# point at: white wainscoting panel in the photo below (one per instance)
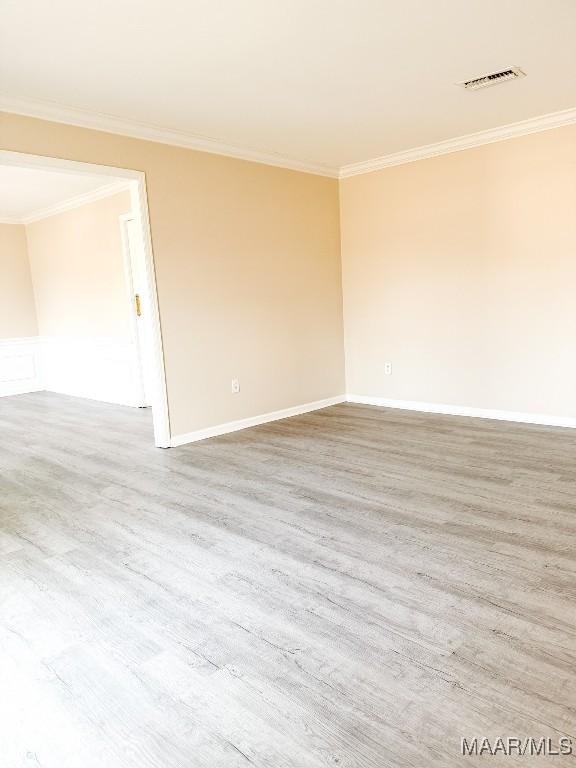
(97, 368)
(20, 366)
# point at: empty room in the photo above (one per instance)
(287, 384)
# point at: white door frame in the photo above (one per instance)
(134, 322)
(158, 396)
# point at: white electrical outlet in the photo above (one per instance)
(235, 386)
(388, 369)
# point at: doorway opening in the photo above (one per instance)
(65, 341)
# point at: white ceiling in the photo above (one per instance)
(329, 82)
(28, 192)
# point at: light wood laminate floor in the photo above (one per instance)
(356, 587)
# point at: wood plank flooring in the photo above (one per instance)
(356, 587)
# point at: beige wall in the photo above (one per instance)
(77, 267)
(248, 271)
(17, 310)
(461, 271)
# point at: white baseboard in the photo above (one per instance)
(459, 410)
(410, 405)
(20, 366)
(254, 421)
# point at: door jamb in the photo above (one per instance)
(124, 218)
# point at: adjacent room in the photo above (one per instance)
(287, 384)
(75, 299)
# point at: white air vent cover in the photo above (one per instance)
(512, 73)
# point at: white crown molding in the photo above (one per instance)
(511, 131)
(76, 202)
(47, 110)
(69, 204)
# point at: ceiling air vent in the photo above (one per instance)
(512, 73)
